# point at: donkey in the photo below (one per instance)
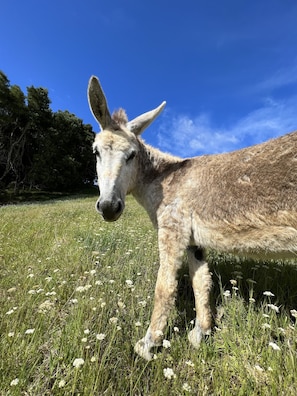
(243, 202)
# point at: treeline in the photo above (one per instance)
(39, 148)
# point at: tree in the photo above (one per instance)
(13, 129)
(67, 163)
(39, 148)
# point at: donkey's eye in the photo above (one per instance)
(131, 156)
(96, 152)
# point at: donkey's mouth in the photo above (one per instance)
(110, 210)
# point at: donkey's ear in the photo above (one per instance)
(98, 103)
(141, 122)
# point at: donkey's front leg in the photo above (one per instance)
(171, 253)
(201, 282)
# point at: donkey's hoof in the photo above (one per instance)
(142, 349)
(195, 337)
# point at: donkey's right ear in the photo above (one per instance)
(98, 103)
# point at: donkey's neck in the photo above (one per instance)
(155, 163)
(154, 167)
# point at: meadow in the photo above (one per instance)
(77, 293)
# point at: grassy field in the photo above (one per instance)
(76, 294)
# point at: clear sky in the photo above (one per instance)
(227, 68)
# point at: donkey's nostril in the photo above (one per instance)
(120, 207)
(98, 206)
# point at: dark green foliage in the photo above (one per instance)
(41, 149)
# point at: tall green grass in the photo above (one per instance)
(73, 287)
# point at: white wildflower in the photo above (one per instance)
(166, 344)
(186, 387)
(233, 282)
(273, 307)
(11, 334)
(266, 326)
(189, 363)
(252, 300)
(227, 293)
(121, 304)
(29, 331)
(84, 340)
(100, 336)
(168, 373)
(274, 346)
(93, 359)
(113, 320)
(45, 306)
(294, 313)
(78, 362)
(74, 300)
(14, 382)
(80, 289)
(62, 383)
(86, 331)
(176, 329)
(259, 368)
(138, 324)
(268, 294)
(52, 293)
(129, 283)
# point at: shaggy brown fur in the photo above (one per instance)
(242, 202)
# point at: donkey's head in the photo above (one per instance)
(116, 148)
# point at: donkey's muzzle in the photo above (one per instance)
(110, 210)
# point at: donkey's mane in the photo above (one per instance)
(156, 162)
(120, 117)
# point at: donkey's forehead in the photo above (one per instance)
(115, 140)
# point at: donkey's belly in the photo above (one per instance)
(269, 242)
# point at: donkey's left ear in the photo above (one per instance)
(141, 122)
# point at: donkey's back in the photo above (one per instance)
(245, 201)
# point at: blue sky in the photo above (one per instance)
(227, 68)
